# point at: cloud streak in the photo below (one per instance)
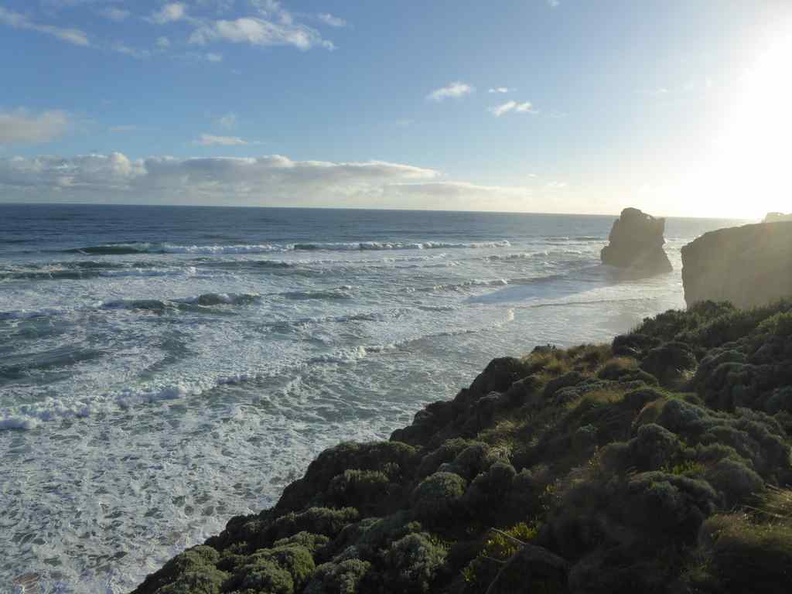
(512, 107)
(259, 32)
(212, 140)
(273, 180)
(22, 22)
(454, 90)
(169, 13)
(20, 126)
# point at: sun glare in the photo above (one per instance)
(751, 156)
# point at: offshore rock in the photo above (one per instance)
(748, 266)
(636, 243)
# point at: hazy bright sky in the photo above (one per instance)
(679, 107)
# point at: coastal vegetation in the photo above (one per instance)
(657, 463)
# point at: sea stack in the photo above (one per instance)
(749, 265)
(636, 243)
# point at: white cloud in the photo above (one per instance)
(261, 32)
(212, 140)
(499, 90)
(333, 21)
(20, 21)
(123, 128)
(20, 126)
(169, 13)
(213, 57)
(114, 13)
(554, 3)
(455, 90)
(163, 42)
(227, 121)
(268, 180)
(127, 50)
(512, 107)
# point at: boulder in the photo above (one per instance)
(636, 243)
(748, 266)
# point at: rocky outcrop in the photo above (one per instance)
(777, 217)
(636, 243)
(748, 266)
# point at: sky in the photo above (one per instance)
(678, 107)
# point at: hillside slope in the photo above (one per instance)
(659, 463)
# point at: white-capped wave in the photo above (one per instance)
(169, 248)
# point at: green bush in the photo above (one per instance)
(317, 520)
(412, 562)
(309, 541)
(745, 557)
(436, 499)
(365, 490)
(338, 578)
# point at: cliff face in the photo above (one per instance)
(636, 243)
(749, 265)
(657, 464)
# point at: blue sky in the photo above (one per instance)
(679, 107)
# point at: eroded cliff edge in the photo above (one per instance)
(659, 463)
(749, 265)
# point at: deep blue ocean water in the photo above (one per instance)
(165, 368)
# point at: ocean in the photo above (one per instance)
(163, 369)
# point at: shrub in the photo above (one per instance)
(735, 481)
(653, 447)
(449, 450)
(317, 520)
(338, 578)
(669, 362)
(311, 542)
(485, 495)
(412, 562)
(394, 458)
(665, 508)
(499, 546)
(207, 581)
(295, 559)
(779, 324)
(436, 499)
(617, 368)
(474, 459)
(375, 534)
(265, 575)
(746, 557)
(366, 490)
(194, 568)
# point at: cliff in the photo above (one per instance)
(777, 217)
(636, 243)
(659, 463)
(749, 265)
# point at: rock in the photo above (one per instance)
(748, 266)
(636, 243)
